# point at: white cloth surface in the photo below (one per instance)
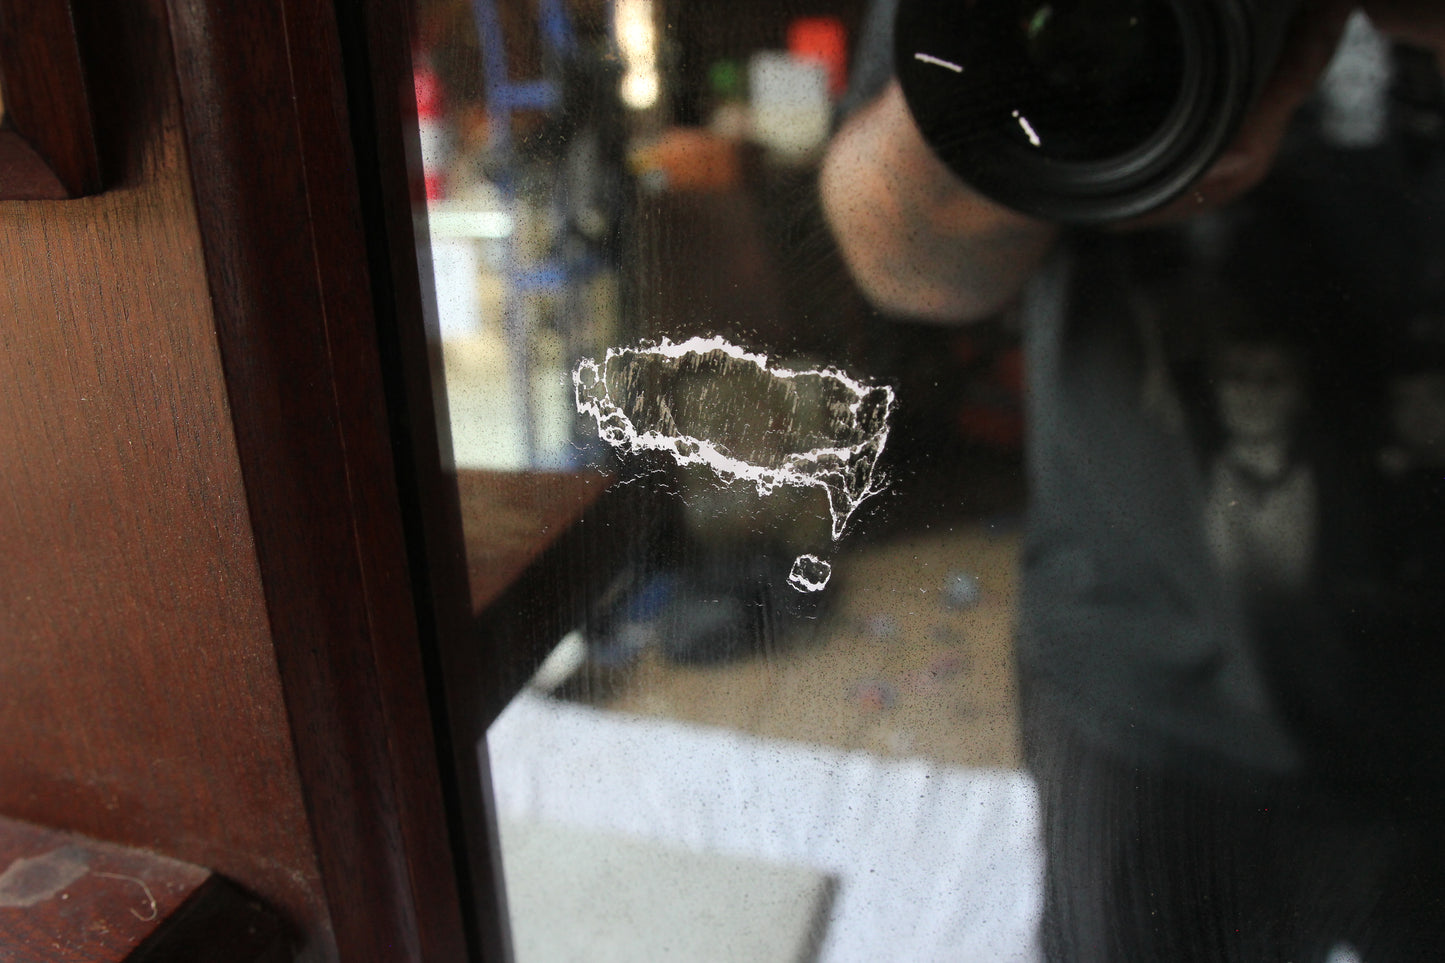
(935, 863)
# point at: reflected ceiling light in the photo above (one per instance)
(640, 88)
(493, 225)
(636, 30)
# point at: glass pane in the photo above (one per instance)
(891, 574)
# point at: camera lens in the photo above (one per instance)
(1092, 78)
(1083, 110)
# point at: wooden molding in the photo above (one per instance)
(47, 141)
(377, 40)
(272, 162)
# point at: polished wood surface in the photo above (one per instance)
(211, 647)
(142, 703)
(67, 899)
(47, 143)
(464, 671)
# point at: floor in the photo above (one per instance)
(912, 654)
(913, 660)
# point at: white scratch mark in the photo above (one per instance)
(938, 62)
(832, 441)
(154, 910)
(1028, 129)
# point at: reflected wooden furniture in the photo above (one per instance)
(510, 518)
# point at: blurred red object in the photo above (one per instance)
(825, 40)
(432, 127)
(428, 87)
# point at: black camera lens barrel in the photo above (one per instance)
(1084, 111)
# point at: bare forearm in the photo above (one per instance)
(916, 239)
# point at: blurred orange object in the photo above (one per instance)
(690, 159)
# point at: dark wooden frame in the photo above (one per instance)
(377, 37)
(303, 147)
(485, 660)
(264, 95)
(47, 139)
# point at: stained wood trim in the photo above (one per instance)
(378, 38)
(47, 141)
(266, 124)
(493, 601)
(141, 703)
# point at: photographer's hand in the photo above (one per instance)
(918, 241)
(1307, 51)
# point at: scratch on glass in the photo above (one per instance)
(1028, 129)
(938, 62)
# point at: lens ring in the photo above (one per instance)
(1213, 89)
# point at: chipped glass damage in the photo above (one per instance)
(709, 403)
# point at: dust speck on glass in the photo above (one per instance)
(851, 633)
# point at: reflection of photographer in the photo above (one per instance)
(1262, 500)
(1189, 750)
(1084, 111)
(922, 243)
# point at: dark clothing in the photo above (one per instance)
(1225, 865)
(1126, 625)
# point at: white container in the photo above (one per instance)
(791, 109)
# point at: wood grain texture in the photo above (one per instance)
(273, 165)
(47, 150)
(142, 703)
(23, 172)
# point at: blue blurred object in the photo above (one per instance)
(883, 626)
(961, 590)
